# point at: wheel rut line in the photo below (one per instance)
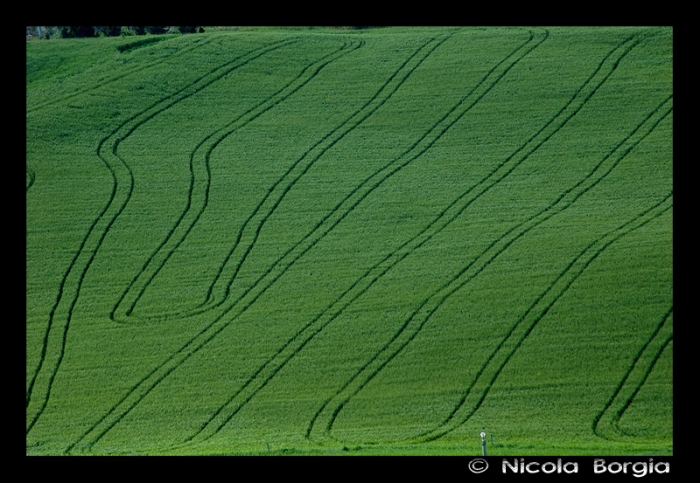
(397, 255)
(103, 449)
(436, 433)
(173, 240)
(628, 402)
(593, 251)
(315, 153)
(65, 320)
(208, 303)
(490, 177)
(448, 289)
(441, 430)
(363, 117)
(133, 70)
(160, 372)
(262, 381)
(122, 186)
(321, 146)
(59, 297)
(610, 421)
(31, 177)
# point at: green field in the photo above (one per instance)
(336, 241)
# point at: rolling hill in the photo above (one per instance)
(377, 241)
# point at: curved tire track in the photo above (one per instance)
(153, 378)
(31, 177)
(219, 291)
(490, 371)
(414, 324)
(606, 422)
(133, 70)
(199, 192)
(273, 365)
(55, 336)
(253, 225)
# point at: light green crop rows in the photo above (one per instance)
(382, 241)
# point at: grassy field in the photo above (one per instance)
(332, 241)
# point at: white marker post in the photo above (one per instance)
(483, 443)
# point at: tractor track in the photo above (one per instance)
(182, 227)
(392, 84)
(153, 378)
(55, 336)
(606, 423)
(522, 329)
(121, 75)
(222, 310)
(273, 365)
(416, 321)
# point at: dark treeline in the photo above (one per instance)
(67, 32)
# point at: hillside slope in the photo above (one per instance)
(384, 240)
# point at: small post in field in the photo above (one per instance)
(483, 443)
